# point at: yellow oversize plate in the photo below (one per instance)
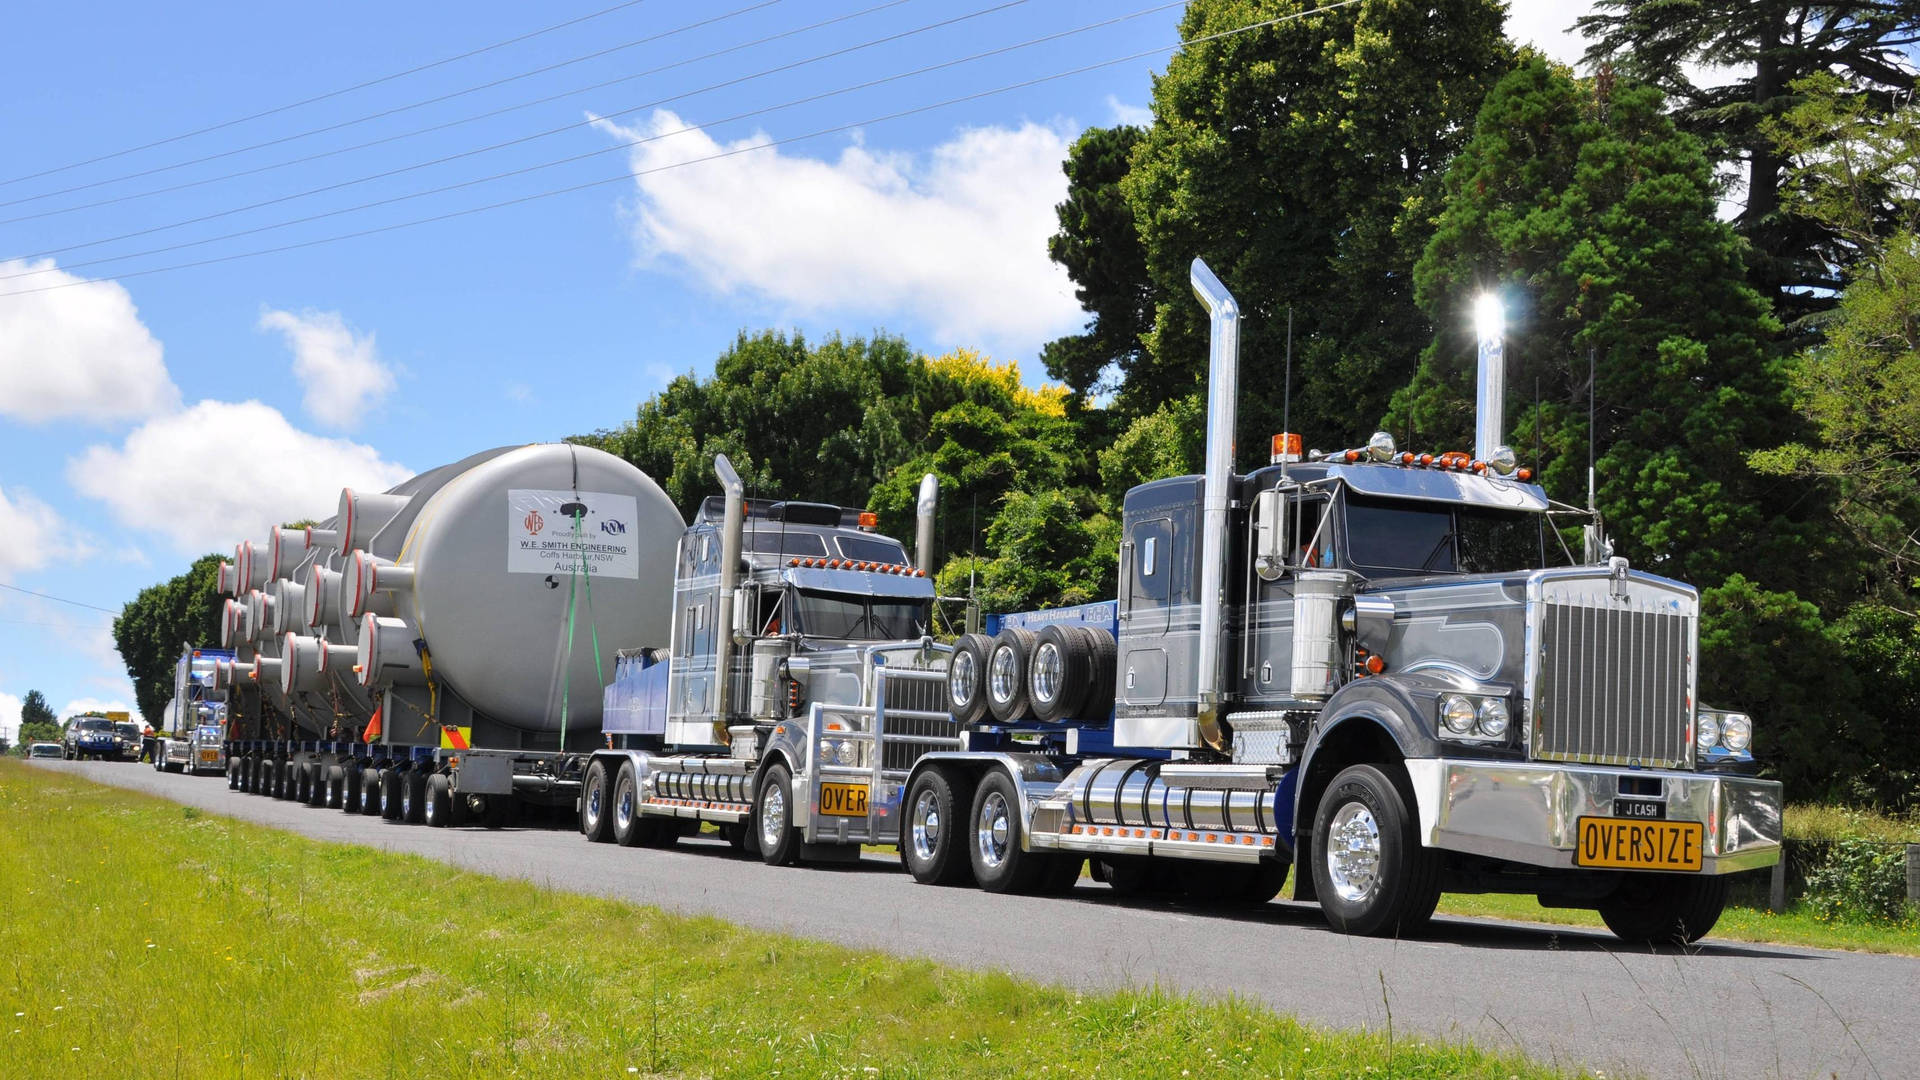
(1625, 844)
(843, 800)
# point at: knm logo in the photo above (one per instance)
(613, 528)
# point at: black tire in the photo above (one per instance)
(159, 763)
(1664, 909)
(1059, 672)
(234, 773)
(773, 818)
(967, 678)
(1097, 708)
(372, 783)
(1063, 873)
(352, 786)
(630, 826)
(596, 800)
(933, 833)
(282, 779)
(994, 836)
(1377, 880)
(437, 806)
(301, 787)
(1006, 676)
(250, 774)
(319, 780)
(413, 797)
(393, 784)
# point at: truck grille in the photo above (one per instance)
(915, 695)
(1613, 686)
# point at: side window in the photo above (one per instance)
(1151, 539)
(1314, 546)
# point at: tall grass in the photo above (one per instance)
(259, 953)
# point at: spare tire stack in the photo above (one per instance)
(1062, 673)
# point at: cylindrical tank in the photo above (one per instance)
(489, 566)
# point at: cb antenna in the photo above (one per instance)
(1286, 394)
(1592, 383)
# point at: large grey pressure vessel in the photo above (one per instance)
(485, 570)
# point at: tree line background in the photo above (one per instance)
(1356, 179)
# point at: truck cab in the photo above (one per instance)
(793, 622)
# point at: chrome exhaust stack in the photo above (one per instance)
(732, 525)
(1490, 393)
(928, 502)
(1223, 376)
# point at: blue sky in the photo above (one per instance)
(146, 418)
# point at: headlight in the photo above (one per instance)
(843, 753)
(826, 750)
(1493, 718)
(1457, 712)
(1736, 731)
(1708, 735)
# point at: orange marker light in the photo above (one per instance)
(869, 519)
(1286, 447)
(1376, 665)
(1525, 475)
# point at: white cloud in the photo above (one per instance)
(34, 533)
(340, 370)
(955, 237)
(222, 471)
(10, 717)
(1122, 113)
(1548, 26)
(94, 705)
(77, 352)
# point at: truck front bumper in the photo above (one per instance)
(1529, 812)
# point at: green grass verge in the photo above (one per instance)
(147, 939)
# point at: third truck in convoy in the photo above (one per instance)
(1384, 670)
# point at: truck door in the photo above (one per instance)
(1271, 621)
(1144, 611)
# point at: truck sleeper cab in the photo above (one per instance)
(799, 685)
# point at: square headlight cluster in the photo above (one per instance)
(1472, 716)
(1728, 732)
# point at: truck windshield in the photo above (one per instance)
(859, 618)
(1398, 538)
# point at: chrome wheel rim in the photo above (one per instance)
(992, 829)
(926, 825)
(963, 680)
(1353, 853)
(430, 815)
(623, 811)
(406, 799)
(1000, 680)
(1046, 672)
(593, 804)
(773, 816)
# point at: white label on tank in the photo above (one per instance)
(564, 532)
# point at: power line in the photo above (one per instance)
(384, 112)
(631, 175)
(429, 129)
(574, 125)
(329, 94)
(59, 599)
(869, 84)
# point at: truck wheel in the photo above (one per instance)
(250, 774)
(233, 774)
(159, 763)
(994, 836)
(595, 801)
(1098, 707)
(393, 784)
(1262, 883)
(967, 678)
(372, 783)
(1059, 672)
(1063, 873)
(324, 785)
(413, 797)
(297, 780)
(1371, 873)
(336, 787)
(352, 784)
(933, 841)
(1007, 675)
(437, 810)
(773, 819)
(1664, 909)
(630, 826)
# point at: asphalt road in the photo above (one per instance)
(1568, 997)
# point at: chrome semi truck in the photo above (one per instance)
(1384, 669)
(195, 737)
(800, 684)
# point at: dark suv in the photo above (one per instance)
(91, 737)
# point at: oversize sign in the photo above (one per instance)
(563, 532)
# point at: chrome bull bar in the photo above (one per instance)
(866, 726)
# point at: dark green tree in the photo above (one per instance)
(1594, 217)
(159, 622)
(1099, 246)
(1752, 52)
(34, 710)
(1302, 161)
